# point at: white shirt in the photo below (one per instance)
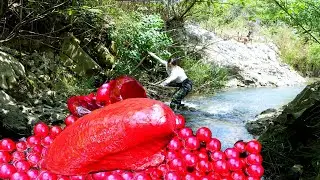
(176, 74)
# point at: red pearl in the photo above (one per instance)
(204, 166)
(33, 174)
(6, 170)
(22, 166)
(5, 157)
(218, 155)
(175, 144)
(63, 177)
(190, 159)
(100, 175)
(253, 147)
(46, 175)
(19, 176)
(141, 176)
(21, 146)
(34, 159)
(214, 176)
(176, 165)
(185, 133)
(171, 155)
(192, 143)
(231, 153)
(253, 178)
(204, 134)
(55, 130)
(46, 141)
(213, 145)
(255, 170)
(180, 121)
(172, 176)
(240, 146)
(238, 176)
(41, 129)
(190, 176)
(126, 175)
(77, 177)
(7, 145)
(33, 140)
(70, 120)
(234, 164)
(203, 156)
(253, 159)
(36, 149)
(17, 156)
(220, 167)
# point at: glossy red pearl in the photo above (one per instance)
(213, 145)
(204, 134)
(175, 144)
(190, 159)
(218, 155)
(21, 146)
(22, 166)
(253, 159)
(205, 178)
(36, 149)
(190, 176)
(33, 140)
(231, 153)
(141, 176)
(100, 175)
(55, 130)
(41, 129)
(34, 159)
(170, 155)
(46, 175)
(33, 174)
(65, 178)
(5, 157)
(176, 165)
(220, 167)
(185, 133)
(70, 119)
(77, 177)
(192, 143)
(156, 173)
(240, 146)
(46, 141)
(255, 170)
(234, 164)
(252, 178)
(7, 145)
(214, 176)
(238, 176)
(183, 151)
(17, 155)
(204, 166)
(203, 156)
(172, 176)
(180, 121)
(6, 170)
(19, 176)
(253, 147)
(126, 175)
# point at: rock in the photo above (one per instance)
(293, 137)
(13, 122)
(256, 64)
(10, 70)
(105, 58)
(76, 58)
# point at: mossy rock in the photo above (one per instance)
(294, 138)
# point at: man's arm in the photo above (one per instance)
(171, 78)
(158, 58)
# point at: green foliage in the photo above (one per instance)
(206, 77)
(135, 34)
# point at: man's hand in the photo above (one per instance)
(10, 70)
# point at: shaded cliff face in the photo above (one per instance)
(291, 144)
(252, 64)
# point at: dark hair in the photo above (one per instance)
(173, 61)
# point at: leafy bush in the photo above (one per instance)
(134, 36)
(205, 77)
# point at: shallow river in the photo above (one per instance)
(225, 112)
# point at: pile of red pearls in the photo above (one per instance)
(188, 156)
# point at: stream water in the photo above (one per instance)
(225, 112)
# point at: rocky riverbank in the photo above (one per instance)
(251, 64)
